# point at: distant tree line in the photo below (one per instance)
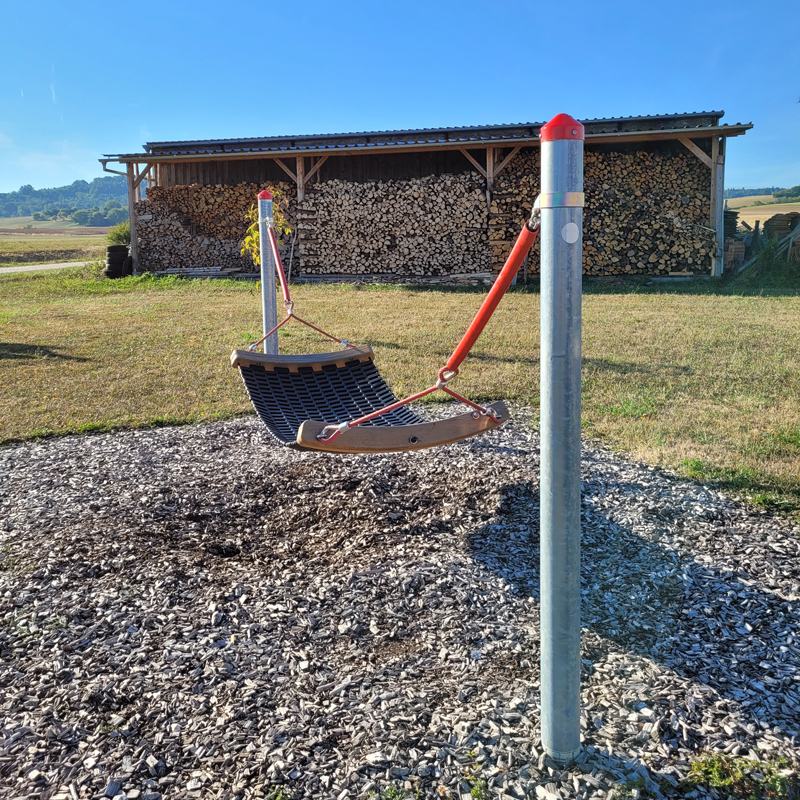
(730, 193)
(101, 202)
(789, 194)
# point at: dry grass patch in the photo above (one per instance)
(695, 377)
(750, 214)
(16, 249)
(753, 199)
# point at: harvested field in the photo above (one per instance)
(195, 612)
(48, 228)
(750, 214)
(744, 202)
(50, 246)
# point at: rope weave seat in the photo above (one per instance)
(329, 387)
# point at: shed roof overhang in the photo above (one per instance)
(603, 131)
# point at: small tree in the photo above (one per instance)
(120, 233)
(251, 244)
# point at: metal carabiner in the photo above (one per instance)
(536, 216)
(444, 376)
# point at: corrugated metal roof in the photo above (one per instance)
(380, 140)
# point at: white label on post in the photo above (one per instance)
(570, 233)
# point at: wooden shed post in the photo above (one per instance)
(717, 206)
(719, 227)
(301, 179)
(489, 175)
(132, 217)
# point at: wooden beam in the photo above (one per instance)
(719, 204)
(690, 145)
(142, 175)
(301, 179)
(712, 205)
(132, 217)
(489, 175)
(504, 163)
(712, 221)
(285, 169)
(474, 162)
(313, 171)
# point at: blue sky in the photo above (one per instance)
(85, 78)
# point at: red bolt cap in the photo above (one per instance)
(265, 195)
(562, 126)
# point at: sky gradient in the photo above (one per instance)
(79, 80)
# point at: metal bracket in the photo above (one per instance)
(561, 199)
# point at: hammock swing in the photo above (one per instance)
(338, 402)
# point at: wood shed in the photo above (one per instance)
(438, 203)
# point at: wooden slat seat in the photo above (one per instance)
(397, 438)
(296, 397)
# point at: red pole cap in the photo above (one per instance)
(562, 126)
(265, 195)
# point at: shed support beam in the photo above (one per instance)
(315, 169)
(489, 175)
(504, 163)
(717, 204)
(301, 179)
(132, 216)
(474, 163)
(690, 145)
(141, 175)
(286, 169)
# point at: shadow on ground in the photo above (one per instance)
(19, 351)
(723, 629)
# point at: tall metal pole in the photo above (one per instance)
(269, 299)
(561, 203)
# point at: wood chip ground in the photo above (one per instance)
(199, 613)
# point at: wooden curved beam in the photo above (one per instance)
(399, 438)
(246, 358)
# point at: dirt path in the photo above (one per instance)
(39, 267)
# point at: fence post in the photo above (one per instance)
(269, 300)
(561, 203)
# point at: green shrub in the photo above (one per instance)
(120, 233)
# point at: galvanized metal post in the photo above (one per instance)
(269, 299)
(561, 203)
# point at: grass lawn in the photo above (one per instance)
(42, 248)
(699, 376)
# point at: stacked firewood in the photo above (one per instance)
(435, 225)
(646, 212)
(198, 227)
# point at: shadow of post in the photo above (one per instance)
(724, 629)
